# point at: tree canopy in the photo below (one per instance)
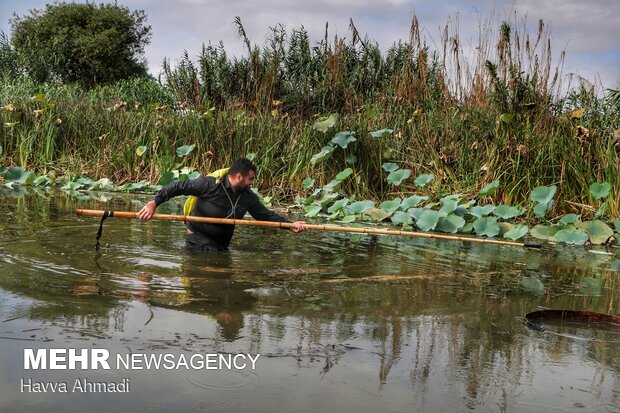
(85, 43)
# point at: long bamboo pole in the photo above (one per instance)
(189, 218)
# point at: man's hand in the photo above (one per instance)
(299, 226)
(147, 211)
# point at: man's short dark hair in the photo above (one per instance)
(243, 165)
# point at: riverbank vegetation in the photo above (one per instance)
(383, 122)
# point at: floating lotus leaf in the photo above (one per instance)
(518, 231)
(389, 167)
(543, 194)
(325, 123)
(312, 210)
(533, 285)
(382, 133)
(416, 213)
(617, 225)
(598, 231)
(569, 219)
(360, 207)
(348, 219)
(308, 183)
(454, 197)
(600, 190)
(490, 188)
(343, 139)
(391, 206)
(507, 211)
(428, 220)
(350, 159)
(338, 205)
(545, 232)
(481, 211)
(185, 150)
(412, 201)
(325, 154)
(570, 236)
(423, 179)
(19, 175)
(449, 205)
(467, 228)
(398, 176)
(140, 150)
(486, 227)
(401, 218)
(451, 224)
(378, 214)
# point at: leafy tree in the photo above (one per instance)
(84, 43)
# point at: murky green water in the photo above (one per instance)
(341, 323)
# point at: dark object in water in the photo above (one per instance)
(535, 319)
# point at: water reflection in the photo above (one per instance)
(424, 324)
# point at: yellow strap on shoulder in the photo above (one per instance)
(190, 204)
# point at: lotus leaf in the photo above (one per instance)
(490, 188)
(452, 223)
(325, 154)
(381, 133)
(569, 219)
(570, 236)
(486, 226)
(343, 139)
(507, 211)
(428, 220)
(481, 211)
(598, 231)
(185, 150)
(325, 123)
(412, 201)
(344, 174)
(401, 218)
(390, 206)
(359, 207)
(338, 205)
(518, 231)
(378, 214)
(389, 167)
(423, 179)
(543, 194)
(600, 190)
(398, 176)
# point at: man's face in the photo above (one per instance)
(240, 182)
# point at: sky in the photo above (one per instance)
(588, 31)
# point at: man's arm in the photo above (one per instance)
(261, 213)
(194, 187)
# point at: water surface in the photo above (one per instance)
(341, 322)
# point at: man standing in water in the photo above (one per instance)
(230, 198)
